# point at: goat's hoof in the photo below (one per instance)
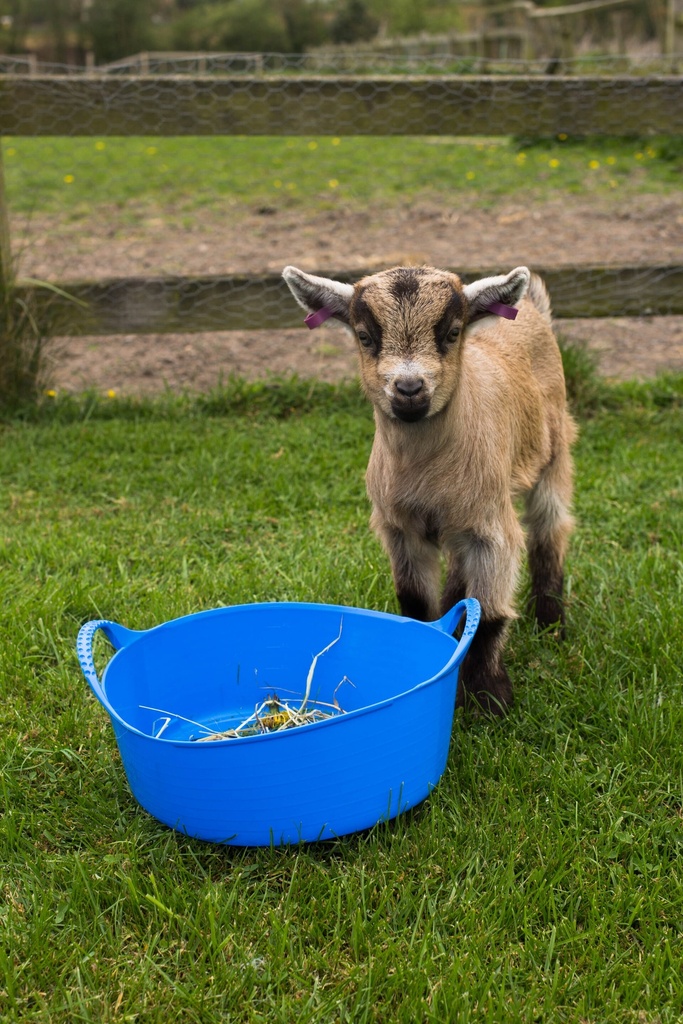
(492, 699)
(553, 628)
(549, 615)
(488, 704)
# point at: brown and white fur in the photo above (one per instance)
(470, 414)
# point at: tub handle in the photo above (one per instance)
(448, 623)
(118, 636)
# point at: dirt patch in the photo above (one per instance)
(578, 230)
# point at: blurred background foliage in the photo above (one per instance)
(64, 31)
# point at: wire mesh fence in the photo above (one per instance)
(170, 203)
(412, 57)
(389, 104)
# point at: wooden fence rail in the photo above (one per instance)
(168, 305)
(325, 104)
(542, 105)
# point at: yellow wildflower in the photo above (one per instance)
(554, 162)
(68, 179)
(594, 164)
(333, 183)
(100, 146)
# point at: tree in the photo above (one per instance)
(353, 22)
(262, 26)
(119, 28)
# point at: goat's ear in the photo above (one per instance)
(507, 289)
(316, 293)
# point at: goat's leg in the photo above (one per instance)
(415, 567)
(455, 588)
(486, 568)
(549, 525)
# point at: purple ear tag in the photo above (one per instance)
(496, 309)
(316, 319)
(500, 309)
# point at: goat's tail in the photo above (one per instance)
(538, 293)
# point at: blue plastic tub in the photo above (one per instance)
(168, 685)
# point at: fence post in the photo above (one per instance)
(670, 33)
(6, 266)
(6, 291)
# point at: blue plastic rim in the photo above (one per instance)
(395, 680)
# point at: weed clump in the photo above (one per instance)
(23, 367)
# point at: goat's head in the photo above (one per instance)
(410, 324)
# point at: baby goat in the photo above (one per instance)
(470, 413)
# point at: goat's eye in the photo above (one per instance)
(365, 339)
(453, 334)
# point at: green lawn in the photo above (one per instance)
(77, 174)
(542, 881)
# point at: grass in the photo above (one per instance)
(543, 880)
(73, 175)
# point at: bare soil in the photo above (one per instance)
(574, 230)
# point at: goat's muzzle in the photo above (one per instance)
(410, 399)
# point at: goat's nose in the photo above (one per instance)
(409, 386)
